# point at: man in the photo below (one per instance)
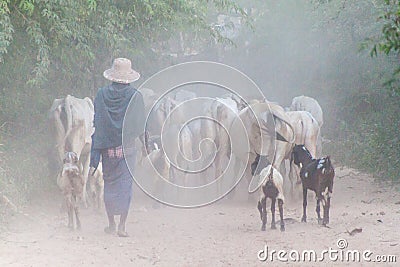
(110, 105)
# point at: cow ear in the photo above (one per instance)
(281, 119)
(267, 121)
(279, 137)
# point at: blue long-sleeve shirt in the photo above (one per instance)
(110, 106)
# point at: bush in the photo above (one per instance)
(369, 138)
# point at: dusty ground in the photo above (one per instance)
(223, 234)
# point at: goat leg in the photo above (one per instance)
(273, 201)
(76, 208)
(259, 207)
(325, 221)
(304, 218)
(318, 209)
(280, 206)
(264, 213)
(68, 201)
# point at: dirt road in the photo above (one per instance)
(223, 234)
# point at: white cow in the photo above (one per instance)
(184, 95)
(311, 105)
(162, 111)
(222, 112)
(306, 130)
(167, 159)
(262, 128)
(72, 120)
(149, 98)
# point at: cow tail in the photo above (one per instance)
(271, 174)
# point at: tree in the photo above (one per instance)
(51, 48)
(388, 42)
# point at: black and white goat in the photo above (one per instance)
(316, 175)
(271, 187)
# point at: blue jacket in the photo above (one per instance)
(110, 107)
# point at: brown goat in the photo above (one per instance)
(316, 175)
(71, 182)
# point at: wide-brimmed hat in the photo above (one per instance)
(121, 71)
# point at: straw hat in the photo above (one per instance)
(121, 71)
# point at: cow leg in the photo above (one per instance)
(218, 171)
(240, 190)
(100, 196)
(280, 205)
(319, 145)
(292, 175)
(318, 211)
(185, 178)
(85, 169)
(173, 179)
(273, 201)
(304, 218)
(248, 175)
(92, 189)
(326, 211)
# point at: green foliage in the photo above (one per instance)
(23, 170)
(388, 41)
(51, 48)
(6, 28)
(371, 139)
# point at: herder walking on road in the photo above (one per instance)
(110, 105)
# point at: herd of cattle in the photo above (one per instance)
(282, 143)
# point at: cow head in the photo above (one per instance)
(259, 163)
